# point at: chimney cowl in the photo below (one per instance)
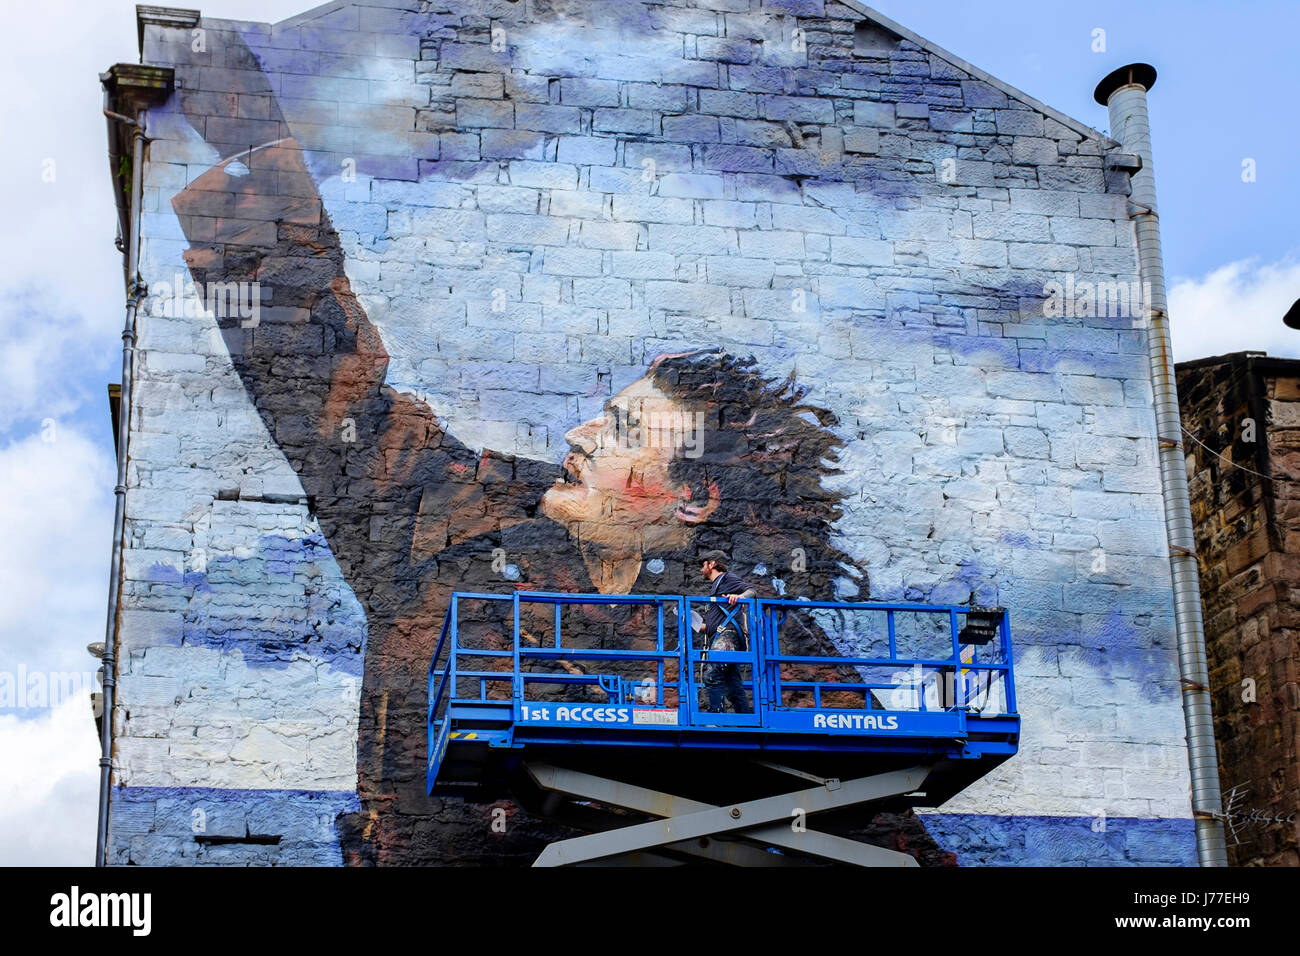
(1143, 74)
(1292, 318)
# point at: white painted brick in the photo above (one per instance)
(642, 265)
(692, 186)
(653, 209)
(707, 240)
(861, 252)
(573, 262)
(543, 175)
(587, 150)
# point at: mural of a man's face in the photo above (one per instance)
(617, 491)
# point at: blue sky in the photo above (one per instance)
(1228, 82)
(1227, 92)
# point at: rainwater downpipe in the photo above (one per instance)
(134, 294)
(1124, 92)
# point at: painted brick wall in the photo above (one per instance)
(528, 203)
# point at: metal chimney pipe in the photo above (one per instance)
(1124, 92)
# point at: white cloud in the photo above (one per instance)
(57, 515)
(1237, 307)
(61, 311)
(62, 285)
(50, 787)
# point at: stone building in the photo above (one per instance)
(395, 252)
(1242, 415)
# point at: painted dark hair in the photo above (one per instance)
(768, 450)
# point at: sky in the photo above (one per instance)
(1232, 257)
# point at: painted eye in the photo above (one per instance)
(236, 169)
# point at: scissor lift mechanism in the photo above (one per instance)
(947, 721)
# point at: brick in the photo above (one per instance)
(609, 235)
(1042, 255)
(691, 128)
(808, 219)
(498, 113)
(979, 95)
(485, 86)
(618, 179)
(532, 230)
(1044, 202)
(724, 213)
(1083, 232)
(862, 141)
(867, 113)
(564, 202)
(1033, 151)
(653, 209)
(660, 97)
(729, 103)
(707, 240)
(625, 121)
(543, 175)
(511, 144)
(1019, 123)
(1011, 226)
(584, 92)
(552, 119)
(950, 121)
(688, 297)
(667, 158)
(800, 109)
(478, 57)
(574, 262)
(642, 265)
(587, 150)
(771, 244)
(726, 50)
(738, 159)
(861, 252)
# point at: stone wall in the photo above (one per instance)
(1243, 415)
(474, 223)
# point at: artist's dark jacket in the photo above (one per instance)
(714, 614)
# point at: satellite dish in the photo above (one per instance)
(1292, 318)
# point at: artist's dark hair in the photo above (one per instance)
(768, 450)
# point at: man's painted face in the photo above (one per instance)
(616, 491)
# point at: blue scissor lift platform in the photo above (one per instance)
(591, 709)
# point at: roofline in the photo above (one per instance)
(172, 16)
(1083, 129)
(1256, 361)
(313, 13)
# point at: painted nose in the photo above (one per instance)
(586, 436)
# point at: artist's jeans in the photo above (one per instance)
(723, 680)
